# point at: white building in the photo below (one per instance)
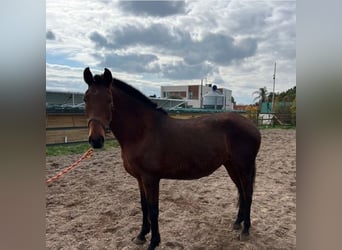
(193, 94)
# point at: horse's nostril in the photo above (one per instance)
(96, 143)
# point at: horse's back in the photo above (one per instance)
(229, 123)
(233, 130)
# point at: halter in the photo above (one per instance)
(98, 121)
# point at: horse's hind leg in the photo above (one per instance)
(243, 176)
(234, 176)
(247, 187)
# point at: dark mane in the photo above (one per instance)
(133, 92)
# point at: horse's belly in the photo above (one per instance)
(188, 164)
(190, 171)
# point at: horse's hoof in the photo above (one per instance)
(154, 244)
(237, 226)
(151, 247)
(138, 241)
(244, 236)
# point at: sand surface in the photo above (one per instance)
(97, 205)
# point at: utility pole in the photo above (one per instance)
(274, 76)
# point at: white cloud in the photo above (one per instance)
(236, 41)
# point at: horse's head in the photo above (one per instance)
(98, 105)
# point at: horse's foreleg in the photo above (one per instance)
(240, 215)
(146, 226)
(151, 187)
(154, 212)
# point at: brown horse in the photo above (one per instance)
(156, 146)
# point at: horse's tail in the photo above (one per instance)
(253, 175)
(257, 150)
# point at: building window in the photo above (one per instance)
(176, 94)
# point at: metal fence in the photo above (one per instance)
(64, 127)
(272, 119)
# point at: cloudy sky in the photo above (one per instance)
(233, 44)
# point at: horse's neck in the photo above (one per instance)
(131, 120)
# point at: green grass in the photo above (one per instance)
(76, 148)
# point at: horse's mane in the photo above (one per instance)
(133, 92)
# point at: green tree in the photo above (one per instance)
(261, 96)
(288, 95)
(293, 106)
(293, 111)
(233, 100)
(284, 97)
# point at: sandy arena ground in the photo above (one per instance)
(97, 205)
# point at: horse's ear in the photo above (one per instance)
(88, 76)
(107, 77)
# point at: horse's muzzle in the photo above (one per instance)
(96, 142)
